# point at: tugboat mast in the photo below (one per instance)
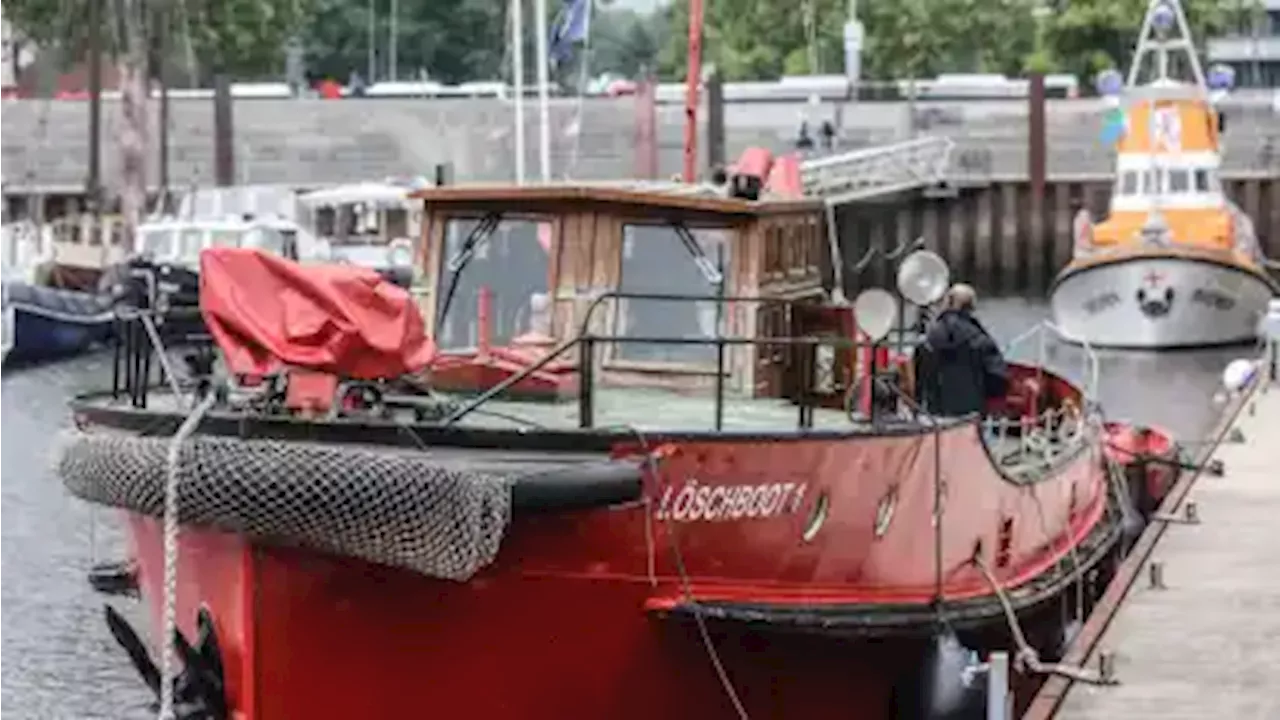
(693, 75)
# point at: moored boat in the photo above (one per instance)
(45, 323)
(731, 513)
(1175, 264)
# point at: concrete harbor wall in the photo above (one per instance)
(990, 230)
(309, 142)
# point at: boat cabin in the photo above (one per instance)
(368, 224)
(655, 272)
(173, 241)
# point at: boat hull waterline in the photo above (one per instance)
(1160, 302)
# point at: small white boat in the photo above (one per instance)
(370, 224)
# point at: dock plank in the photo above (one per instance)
(1207, 645)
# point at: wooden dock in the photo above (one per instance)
(1202, 641)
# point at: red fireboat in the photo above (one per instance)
(618, 456)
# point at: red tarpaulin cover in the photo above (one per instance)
(265, 311)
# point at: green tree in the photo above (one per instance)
(452, 40)
(904, 38)
(242, 37)
(624, 42)
(1086, 36)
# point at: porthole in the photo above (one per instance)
(817, 518)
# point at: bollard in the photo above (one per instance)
(1107, 667)
(1155, 573)
(1191, 512)
(998, 686)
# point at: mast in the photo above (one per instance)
(692, 76)
(517, 81)
(544, 110)
(373, 43)
(394, 42)
(93, 184)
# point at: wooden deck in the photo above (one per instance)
(1207, 645)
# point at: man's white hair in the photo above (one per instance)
(962, 296)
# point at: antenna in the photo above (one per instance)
(1158, 40)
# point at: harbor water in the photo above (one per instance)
(59, 661)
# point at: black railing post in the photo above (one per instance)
(117, 346)
(586, 382)
(720, 339)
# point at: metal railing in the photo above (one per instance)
(1045, 330)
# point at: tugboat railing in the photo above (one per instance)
(1043, 331)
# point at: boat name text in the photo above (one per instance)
(1102, 302)
(1213, 298)
(694, 502)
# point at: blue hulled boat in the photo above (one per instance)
(44, 323)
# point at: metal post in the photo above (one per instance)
(93, 183)
(715, 119)
(720, 339)
(161, 30)
(224, 151)
(394, 41)
(517, 81)
(1273, 353)
(693, 76)
(586, 382)
(373, 41)
(998, 686)
(544, 81)
(1036, 139)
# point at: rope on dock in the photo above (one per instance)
(1026, 656)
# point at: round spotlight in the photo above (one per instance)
(923, 277)
(875, 311)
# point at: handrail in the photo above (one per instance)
(1091, 370)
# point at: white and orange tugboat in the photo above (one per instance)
(1176, 264)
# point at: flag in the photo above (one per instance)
(570, 27)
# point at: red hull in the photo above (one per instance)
(306, 635)
(563, 623)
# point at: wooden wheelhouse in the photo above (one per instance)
(506, 265)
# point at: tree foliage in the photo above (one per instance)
(242, 37)
(451, 40)
(763, 39)
(1085, 36)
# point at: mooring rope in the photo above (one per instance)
(1027, 656)
(171, 530)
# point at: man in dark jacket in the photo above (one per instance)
(964, 364)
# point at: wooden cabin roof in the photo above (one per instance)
(660, 199)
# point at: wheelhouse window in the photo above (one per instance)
(190, 244)
(1129, 183)
(157, 243)
(1179, 180)
(1202, 180)
(656, 260)
(512, 263)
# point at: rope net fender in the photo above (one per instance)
(393, 507)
